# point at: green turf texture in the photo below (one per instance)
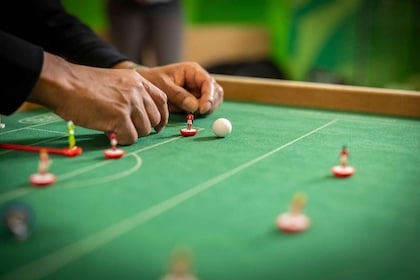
(123, 218)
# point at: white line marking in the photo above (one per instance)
(20, 192)
(105, 179)
(50, 263)
(49, 131)
(30, 126)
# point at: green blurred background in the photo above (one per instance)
(358, 42)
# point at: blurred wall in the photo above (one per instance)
(360, 42)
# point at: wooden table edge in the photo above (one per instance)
(403, 103)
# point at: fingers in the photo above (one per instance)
(206, 90)
(188, 87)
(211, 96)
(157, 110)
(145, 107)
(181, 98)
(126, 131)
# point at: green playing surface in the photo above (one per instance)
(122, 219)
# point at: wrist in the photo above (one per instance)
(129, 65)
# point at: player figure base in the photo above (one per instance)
(342, 171)
(188, 132)
(42, 180)
(75, 151)
(114, 153)
(291, 223)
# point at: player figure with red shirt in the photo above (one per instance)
(114, 152)
(190, 119)
(189, 131)
(113, 140)
(343, 170)
(344, 155)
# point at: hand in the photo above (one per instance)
(188, 86)
(110, 100)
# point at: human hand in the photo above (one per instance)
(110, 100)
(188, 87)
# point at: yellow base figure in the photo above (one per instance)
(72, 139)
(294, 220)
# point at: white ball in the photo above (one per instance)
(222, 127)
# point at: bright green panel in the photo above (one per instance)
(91, 12)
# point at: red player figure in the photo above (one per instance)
(114, 152)
(43, 177)
(189, 131)
(343, 170)
(190, 120)
(295, 220)
(114, 141)
(344, 156)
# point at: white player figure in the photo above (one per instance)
(180, 267)
(295, 220)
(2, 125)
(43, 177)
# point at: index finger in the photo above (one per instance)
(160, 100)
(211, 96)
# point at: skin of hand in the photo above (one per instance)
(109, 100)
(188, 87)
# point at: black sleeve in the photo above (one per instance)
(47, 24)
(21, 64)
(31, 26)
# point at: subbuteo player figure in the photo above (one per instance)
(2, 125)
(344, 156)
(43, 177)
(189, 131)
(72, 139)
(190, 120)
(343, 169)
(44, 162)
(114, 152)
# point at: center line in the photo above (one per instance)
(47, 265)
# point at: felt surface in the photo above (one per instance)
(122, 219)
